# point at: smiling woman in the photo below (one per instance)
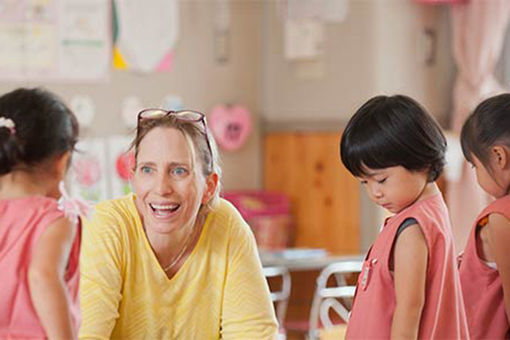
(173, 260)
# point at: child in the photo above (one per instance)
(409, 285)
(39, 246)
(485, 264)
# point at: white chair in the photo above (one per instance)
(326, 298)
(281, 297)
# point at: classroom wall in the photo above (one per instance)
(196, 77)
(379, 49)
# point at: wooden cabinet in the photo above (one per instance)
(324, 196)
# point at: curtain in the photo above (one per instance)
(479, 27)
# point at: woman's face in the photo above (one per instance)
(169, 191)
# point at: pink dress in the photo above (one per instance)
(443, 315)
(481, 284)
(22, 221)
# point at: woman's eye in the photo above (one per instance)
(382, 181)
(179, 171)
(145, 170)
(363, 182)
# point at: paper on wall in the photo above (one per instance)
(85, 46)
(304, 39)
(87, 176)
(148, 30)
(322, 10)
(54, 39)
(84, 109)
(130, 107)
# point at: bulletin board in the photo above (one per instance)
(55, 39)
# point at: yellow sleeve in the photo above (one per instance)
(248, 312)
(101, 276)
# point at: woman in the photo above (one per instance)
(172, 260)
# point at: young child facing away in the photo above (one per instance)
(39, 245)
(409, 286)
(485, 263)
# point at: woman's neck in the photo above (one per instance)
(21, 184)
(168, 246)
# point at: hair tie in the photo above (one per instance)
(8, 123)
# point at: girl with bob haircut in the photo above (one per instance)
(409, 286)
(485, 264)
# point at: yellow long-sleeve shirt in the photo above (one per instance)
(218, 292)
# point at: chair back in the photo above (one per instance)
(281, 297)
(326, 298)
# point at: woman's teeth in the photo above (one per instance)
(164, 209)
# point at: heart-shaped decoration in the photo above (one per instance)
(230, 125)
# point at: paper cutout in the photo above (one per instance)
(172, 103)
(120, 163)
(83, 108)
(231, 126)
(130, 108)
(118, 60)
(166, 64)
(147, 31)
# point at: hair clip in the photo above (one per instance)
(73, 208)
(8, 123)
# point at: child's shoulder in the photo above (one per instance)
(428, 209)
(500, 206)
(26, 204)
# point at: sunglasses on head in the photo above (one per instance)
(183, 115)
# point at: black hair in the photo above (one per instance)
(489, 124)
(43, 127)
(390, 131)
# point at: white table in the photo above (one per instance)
(303, 263)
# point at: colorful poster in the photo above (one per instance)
(55, 39)
(88, 173)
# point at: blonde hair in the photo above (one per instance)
(197, 140)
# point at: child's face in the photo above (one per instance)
(486, 180)
(394, 188)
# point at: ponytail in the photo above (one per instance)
(9, 150)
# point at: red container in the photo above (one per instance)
(268, 215)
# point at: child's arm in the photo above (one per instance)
(410, 270)
(45, 278)
(499, 240)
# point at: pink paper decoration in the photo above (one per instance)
(87, 171)
(166, 63)
(125, 163)
(230, 125)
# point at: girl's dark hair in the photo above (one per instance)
(44, 127)
(489, 124)
(393, 131)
